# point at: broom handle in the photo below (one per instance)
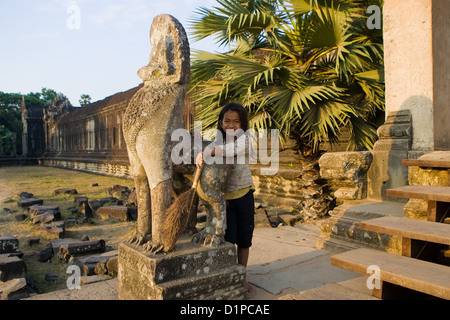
(198, 173)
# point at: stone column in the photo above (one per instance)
(416, 47)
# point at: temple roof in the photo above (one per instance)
(96, 107)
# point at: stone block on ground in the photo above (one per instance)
(85, 210)
(66, 251)
(56, 243)
(14, 289)
(89, 264)
(191, 272)
(28, 202)
(26, 195)
(78, 200)
(347, 173)
(45, 255)
(39, 209)
(115, 212)
(112, 265)
(65, 191)
(57, 228)
(261, 219)
(9, 244)
(290, 219)
(11, 267)
(44, 214)
(44, 218)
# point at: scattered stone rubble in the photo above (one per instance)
(90, 256)
(13, 271)
(96, 260)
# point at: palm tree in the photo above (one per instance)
(85, 99)
(306, 67)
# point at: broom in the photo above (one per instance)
(177, 214)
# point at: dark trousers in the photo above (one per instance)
(241, 220)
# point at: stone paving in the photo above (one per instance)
(284, 264)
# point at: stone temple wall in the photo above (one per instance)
(90, 139)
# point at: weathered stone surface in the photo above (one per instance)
(261, 219)
(158, 104)
(115, 212)
(89, 264)
(25, 202)
(9, 244)
(347, 173)
(78, 200)
(55, 244)
(290, 219)
(192, 272)
(112, 265)
(44, 218)
(85, 210)
(38, 209)
(51, 277)
(101, 268)
(95, 204)
(44, 214)
(26, 195)
(118, 191)
(66, 251)
(416, 208)
(58, 228)
(65, 191)
(11, 267)
(14, 289)
(45, 255)
(393, 146)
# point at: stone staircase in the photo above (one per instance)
(341, 232)
(422, 269)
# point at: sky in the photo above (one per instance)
(80, 47)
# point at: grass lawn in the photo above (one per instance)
(42, 182)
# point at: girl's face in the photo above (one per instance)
(231, 122)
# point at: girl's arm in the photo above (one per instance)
(233, 149)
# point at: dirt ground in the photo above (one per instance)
(42, 182)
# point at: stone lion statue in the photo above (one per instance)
(152, 115)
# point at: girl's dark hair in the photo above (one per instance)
(233, 106)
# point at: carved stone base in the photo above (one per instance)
(192, 272)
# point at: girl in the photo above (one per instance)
(232, 123)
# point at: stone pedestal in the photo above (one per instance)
(392, 147)
(192, 272)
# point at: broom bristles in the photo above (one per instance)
(177, 216)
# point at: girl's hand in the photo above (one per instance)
(199, 160)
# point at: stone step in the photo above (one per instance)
(397, 271)
(342, 232)
(409, 228)
(431, 193)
